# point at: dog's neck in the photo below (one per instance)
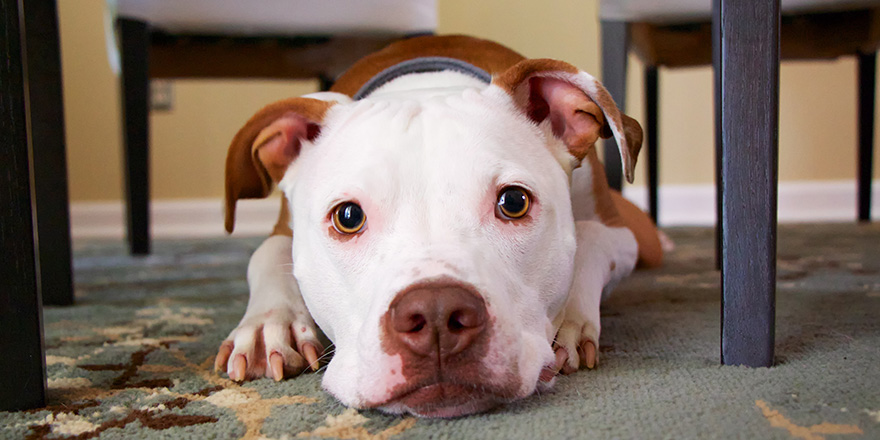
(427, 75)
(426, 85)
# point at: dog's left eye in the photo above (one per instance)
(513, 203)
(349, 218)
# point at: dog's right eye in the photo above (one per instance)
(349, 218)
(513, 203)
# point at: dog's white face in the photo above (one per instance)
(442, 301)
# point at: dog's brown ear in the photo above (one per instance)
(262, 150)
(579, 108)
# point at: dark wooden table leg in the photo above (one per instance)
(22, 364)
(750, 117)
(135, 42)
(614, 56)
(652, 137)
(49, 157)
(867, 85)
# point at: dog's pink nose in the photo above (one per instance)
(436, 320)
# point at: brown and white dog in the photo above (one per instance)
(449, 228)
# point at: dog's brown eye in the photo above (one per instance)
(513, 203)
(348, 218)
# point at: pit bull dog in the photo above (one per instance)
(446, 223)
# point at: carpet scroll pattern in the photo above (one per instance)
(133, 358)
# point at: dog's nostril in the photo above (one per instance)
(462, 320)
(454, 324)
(404, 321)
(416, 323)
(467, 317)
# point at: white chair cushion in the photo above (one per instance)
(283, 17)
(682, 10)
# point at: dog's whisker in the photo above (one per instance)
(328, 352)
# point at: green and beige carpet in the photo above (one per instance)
(132, 359)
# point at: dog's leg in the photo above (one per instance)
(604, 256)
(277, 336)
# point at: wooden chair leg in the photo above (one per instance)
(325, 82)
(867, 85)
(135, 39)
(49, 156)
(652, 137)
(22, 365)
(614, 56)
(750, 126)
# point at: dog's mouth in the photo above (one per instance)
(445, 400)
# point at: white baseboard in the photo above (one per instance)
(798, 202)
(680, 205)
(175, 218)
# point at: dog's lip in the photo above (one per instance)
(445, 399)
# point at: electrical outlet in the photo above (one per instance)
(161, 95)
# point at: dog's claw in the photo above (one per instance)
(222, 356)
(239, 368)
(561, 358)
(550, 371)
(589, 357)
(276, 366)
(562, 364)
(311, 354)
(547, 374)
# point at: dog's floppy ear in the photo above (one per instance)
(262, 150)
(578, 106)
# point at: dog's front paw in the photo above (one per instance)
(273, 344)
(576, 346)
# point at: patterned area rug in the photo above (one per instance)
(133, 358)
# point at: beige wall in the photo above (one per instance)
(817, 114)
(188, 143)
(91, 103)
(817, 122)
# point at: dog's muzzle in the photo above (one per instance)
(441, 331)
